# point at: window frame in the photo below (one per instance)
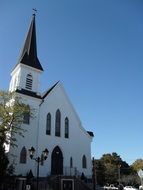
(66, 127)
(48, 124)
(58, 123)
(29, 81)
(71, 162)
(84, 162)
(23, 155)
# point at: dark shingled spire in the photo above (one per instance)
(29, 52)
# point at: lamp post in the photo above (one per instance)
(38, 160)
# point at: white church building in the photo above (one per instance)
(55, 125)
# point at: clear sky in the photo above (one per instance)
(95, 48)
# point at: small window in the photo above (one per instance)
(84, 165)
(23, 156)
(66, 127)
(48, 124)
(26, 116)
(71, 162)
(29, 80)
(58, 123)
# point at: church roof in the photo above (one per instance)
(90, 133)
(49, 90)
(34, 94)
(28, 93)
(28, 54)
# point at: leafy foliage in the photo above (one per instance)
(138, 164)
(110, 167)
(100, 171)
(131, 179)
(12, 110)
(11, 117)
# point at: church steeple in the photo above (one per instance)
(26, 73)
(29, 52)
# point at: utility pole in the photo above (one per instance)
(93, 174)
(119, 174)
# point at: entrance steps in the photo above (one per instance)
(67, 183)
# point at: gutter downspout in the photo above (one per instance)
(37, 137)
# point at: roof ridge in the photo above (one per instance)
(49, 90)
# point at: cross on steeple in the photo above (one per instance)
(34, 11)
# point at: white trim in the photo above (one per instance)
(26, 66)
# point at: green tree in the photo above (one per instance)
(131, 179)
(110, 167)
(111, 163)
(12, 110)
(100, 171)
(137, 165)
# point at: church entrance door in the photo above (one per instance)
(57, 161)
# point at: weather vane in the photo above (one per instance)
(34, 11)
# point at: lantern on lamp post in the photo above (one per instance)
(38, 160)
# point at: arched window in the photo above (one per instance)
(23, 155)
(48, 124)
(58, 123)
(26, 116)
(29, 80)
(71, 162)
(66, 127)
(84, 164)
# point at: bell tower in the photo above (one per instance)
(25, 75)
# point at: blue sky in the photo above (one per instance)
(95, 48)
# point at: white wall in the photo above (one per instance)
(77, 145)
(19, 75)
(30, 138)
